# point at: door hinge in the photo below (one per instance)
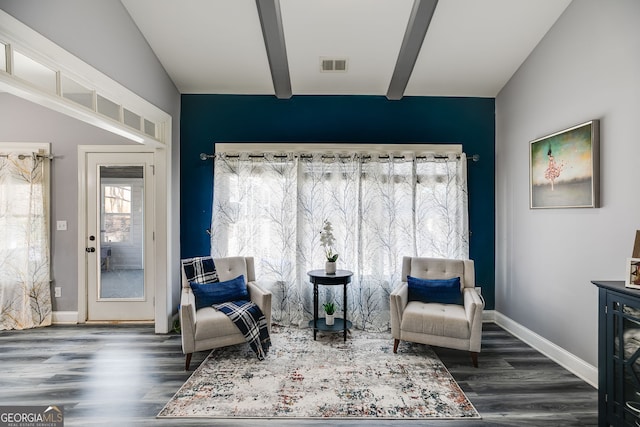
(153, 169)
(606, 309)
(153, 236)
(606, 397)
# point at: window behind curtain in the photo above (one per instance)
(381, 207)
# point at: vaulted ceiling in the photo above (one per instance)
(393, 48)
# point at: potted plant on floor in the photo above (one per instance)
(330, 311)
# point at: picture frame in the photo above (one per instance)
(564, 168)
(632, 277)
(636, 246)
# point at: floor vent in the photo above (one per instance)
(333, 65)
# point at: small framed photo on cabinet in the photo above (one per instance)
(632, 279)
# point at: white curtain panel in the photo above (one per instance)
(273, 206)
(25, 295)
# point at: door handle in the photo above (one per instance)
(90, 249)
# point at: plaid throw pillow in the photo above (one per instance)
(200, 270)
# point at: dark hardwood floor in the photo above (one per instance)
(123, 376)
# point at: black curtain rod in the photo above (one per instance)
(474, 157)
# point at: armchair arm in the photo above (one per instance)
(398, 300)
(188, 320)
(473, 306)
(262, 298)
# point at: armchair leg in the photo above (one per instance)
(187, 361)
(395, 345)
(474, 358)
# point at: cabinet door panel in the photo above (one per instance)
(624, 315)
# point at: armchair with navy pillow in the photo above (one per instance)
(218, 298)
(437, 304)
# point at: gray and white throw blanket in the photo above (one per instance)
(246, 315)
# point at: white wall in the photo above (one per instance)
(587, 67)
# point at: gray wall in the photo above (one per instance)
(101, 33)
(23, 121)
(587, 67)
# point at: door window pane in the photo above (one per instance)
(117, 213)
(121, 272)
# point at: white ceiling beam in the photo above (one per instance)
(272, 31)
(417, 26)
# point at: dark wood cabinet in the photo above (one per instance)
(618, 354)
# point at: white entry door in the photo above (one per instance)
(119, 240)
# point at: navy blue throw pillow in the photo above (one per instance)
(208, 294)
(444, 291)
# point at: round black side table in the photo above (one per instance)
(319, 277)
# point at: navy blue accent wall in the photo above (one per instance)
(206, 119)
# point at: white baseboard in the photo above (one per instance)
(574, 364)
(65, 317)
(488, 316)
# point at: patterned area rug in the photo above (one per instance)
(303, 378)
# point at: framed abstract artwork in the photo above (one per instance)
(564, 168)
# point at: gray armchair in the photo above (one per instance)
(208, 328)
(443, 325)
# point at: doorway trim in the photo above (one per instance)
(161, 290)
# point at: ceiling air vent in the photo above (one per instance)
(333, 65)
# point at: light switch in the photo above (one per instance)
(61, 225)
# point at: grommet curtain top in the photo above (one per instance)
(394, 152)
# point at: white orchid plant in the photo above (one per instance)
(327, 240)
